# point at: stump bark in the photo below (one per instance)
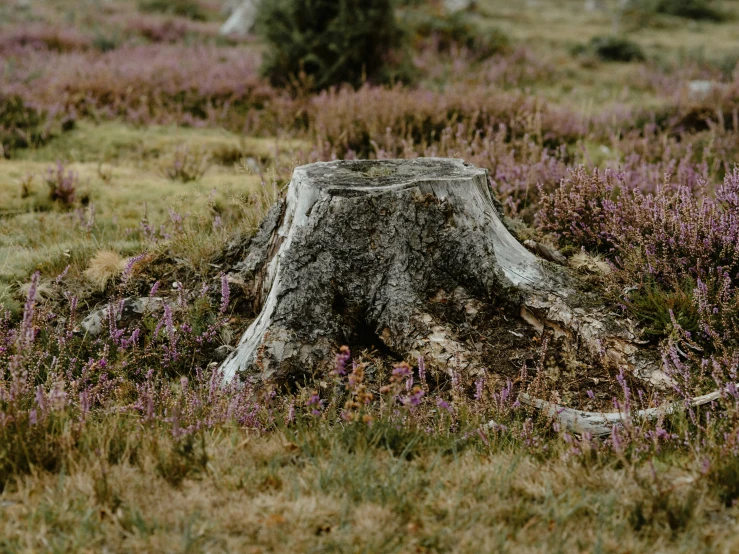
(357, 250)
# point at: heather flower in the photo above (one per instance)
(128, 269)
(62, 186)
(502, 399)
(401, 371)
(342, 358)
(176, 220)
(225, 294)
(414, 398)
(290, 417)
(480, 385)
(27, 332)
(444, 405)
(314, 403)
(616, 441)
(455, 376)
(84, 403)
(422, 371)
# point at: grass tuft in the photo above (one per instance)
(105, 266)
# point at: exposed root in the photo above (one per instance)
(602, 423)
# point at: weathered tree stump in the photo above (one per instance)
(358, 249)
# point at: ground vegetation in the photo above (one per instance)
(140, 149)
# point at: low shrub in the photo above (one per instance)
(669, 228)
(52, 378)
(321, 43)
(706, 10)
(62, 185)
(191, 9)
(187, 165)
(21, 126)
(456, 30)
(145, 84)
(612, 49)
(384, 122)
(676, 244)
(657, 308)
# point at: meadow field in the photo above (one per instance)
(139, 151)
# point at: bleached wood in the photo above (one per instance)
(602, 423)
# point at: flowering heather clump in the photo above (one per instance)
(144, 83)
(41, 37)
(348, 123)
(62, 186)
(166, 30)
(676, 251)
(676, 231)
(52, 381)
(187, 165)
(21, 125)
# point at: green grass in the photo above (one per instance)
(122, 173)
(552, 33)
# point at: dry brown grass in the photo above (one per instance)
(583, 261)
(43, 290)
(104, 266)
(279, 494)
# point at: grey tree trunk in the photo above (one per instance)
(360, 249)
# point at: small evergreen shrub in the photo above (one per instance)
(21, 126)
(691, 9)
(612, 49)
(457, 29)
(62, 185)
(321, 43)
(182, 8)
(187, 165)
(656, 305)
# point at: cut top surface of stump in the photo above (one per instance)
(356, 177)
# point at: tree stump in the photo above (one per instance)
(357, 250)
